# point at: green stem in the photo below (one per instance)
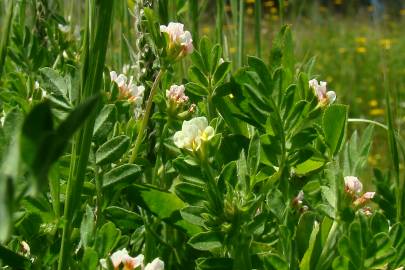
(241, 31)
(258, 20)
(6, 34)
(193, 13)
(220, 23)
(90, 85)
(145, 118)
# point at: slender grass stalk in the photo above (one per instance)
(241, 33)
(194, 19)
(219, 29)
(281, 11)
(393, 147)
(258, 26)
(90, 85)
(145, 118)
(6, 33)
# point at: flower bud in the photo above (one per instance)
(180, 42)
(324, 97)
(353, 185)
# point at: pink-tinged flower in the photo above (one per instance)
(353, 185)
(324, 96)
(178, 38)
(25, 248)
(156, 264)
(176, 94)
(128, 89)
(122, 257)
(366, 197)
(299, 198)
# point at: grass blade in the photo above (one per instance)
(6, 34)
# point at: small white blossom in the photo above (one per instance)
(192, 133)
(178, 36)
(368, 195)
(127, 88)
(36, 85)
(25, 248)
(176, 94)
(353, 184)
(122, 257)
(156, 264)
(324, 97)
(64, 28)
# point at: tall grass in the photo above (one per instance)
(98, 21)
(258, 20)
(5, 36)
(194, 19)
(219, 22)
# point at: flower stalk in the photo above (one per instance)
(146, 116)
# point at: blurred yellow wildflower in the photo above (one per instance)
(323, 9)
(361, 50)
(386, 43)
(370, 8)
(249, 11)
(372, 161)
(274, 17)
(359, 100)
(402, 12)
(377, 112)
(232, 50)
(373, 103)
(342, 50)
(206, 29)
(269, 3)
(250, 1)
(361, 40)
(273, 10)
(228, 8)
(338, 2)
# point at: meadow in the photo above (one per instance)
(186, 134)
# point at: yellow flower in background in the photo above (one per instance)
(386, 43)
(250, 1)
(402, 12)
(249, 11)
(377, 112)
(323, 9)
(206, 29)
(269, 3)
(361, 40)
(370, 8)
(228, 8)
(373, 103)
(273, 10)
(372, 161)
(232, 50)
(361, 50)
(342, 50)
(338, 2)
(274, 17)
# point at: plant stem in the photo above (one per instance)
(145, 118)
(6, 34)
(258, 20)
(193, 13)
(241, 35)
(90, 85)
(220, 23)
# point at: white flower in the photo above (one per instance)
(324, 97)
(122, 257)
(353, 184)
(64, 28)
(36, 85)
(156, 264)
(368, 195)
(128, 89)
(192, 133)
(178, 36)
(176, 94)
(25, 247)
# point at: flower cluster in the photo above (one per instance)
(324, 97)
(121, 257)
(354, 187)
(128, 89)
(193, 133)
(180, 42)
(176, 94)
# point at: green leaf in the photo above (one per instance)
(262, 71)
(87, 227)
(197, 76)
(206, 241)
(121, 175)
(214, 264)
(90, 259)
(314, 163)
(60, 83)
(254, 155)
(216, 54)
(196, 89)
(305, 263)
(334, 124)
(104, 122)
(112, 150)
(107, 238)
(123, 218)
(273, 261)
(14, 260)
(221, 72)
